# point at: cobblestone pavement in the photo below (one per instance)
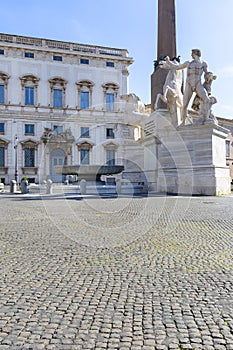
(124, 273)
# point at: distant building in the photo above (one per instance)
(60, 103)
(228, 124)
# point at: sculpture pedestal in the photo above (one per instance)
(188, 160)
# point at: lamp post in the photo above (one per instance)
(46, 138)
(45, 141)
(16, 158)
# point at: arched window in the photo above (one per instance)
(85, 88)
(57, 92)
(110, 91)
(3, 87)
(29, 84)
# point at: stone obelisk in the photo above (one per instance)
(166, 45)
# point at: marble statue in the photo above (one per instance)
(133, 103)
(195, 70)
(172, 94)
(197, 104)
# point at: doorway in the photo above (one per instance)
(57, 157)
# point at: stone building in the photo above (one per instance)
(228, 124)
(61, 103)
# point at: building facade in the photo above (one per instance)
(65, 103)
(228, 124)
(60, 103)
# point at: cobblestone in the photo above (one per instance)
(150, 273)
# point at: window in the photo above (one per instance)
(84, 148)
(29, 129)
(2, 88)
(84, 88)
(110, 64)
(110, 91)
(57, 98)
(29, 84)
(1, 52)
(2, 156)
(227, 148)
(29, 157)
(110, 156)
(110, 133)
(57, 92)
(84, 61)
(29, 95)
(57, 58)
(29, 54)
(84, 156)
(84, 131)
(29, 152)
(58, 129)
(2, 128)
(109, 102)
(84, 99)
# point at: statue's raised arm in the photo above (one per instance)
(172, 65)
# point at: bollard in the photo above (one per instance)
(13, 186)
(49, 189)
(24, 186)
(1, 187)
(83, 186)
(118, 186)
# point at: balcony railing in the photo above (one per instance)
(60, 45)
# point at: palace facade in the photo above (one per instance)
(65, 103)
(61, 103)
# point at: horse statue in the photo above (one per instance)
(172, 91)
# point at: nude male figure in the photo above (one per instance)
(195, 69)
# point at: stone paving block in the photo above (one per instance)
(149, 273)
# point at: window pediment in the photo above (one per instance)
(86, 83)
(110, 86)
(110, 145)
(3, 142)
(4, 77)
(85, 144)
(57, 82)
(29, 79)
(29, 143)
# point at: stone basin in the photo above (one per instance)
(89, 172)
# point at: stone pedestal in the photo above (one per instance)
(191, 160)
(151, 162)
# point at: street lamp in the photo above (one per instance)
(16, 158)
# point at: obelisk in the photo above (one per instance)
(166, 46)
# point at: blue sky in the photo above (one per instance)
(132, 24)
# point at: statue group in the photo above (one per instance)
(177, 102)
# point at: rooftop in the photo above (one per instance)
(62, 45)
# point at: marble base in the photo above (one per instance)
(191, 159)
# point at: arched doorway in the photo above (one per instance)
(57, 157)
